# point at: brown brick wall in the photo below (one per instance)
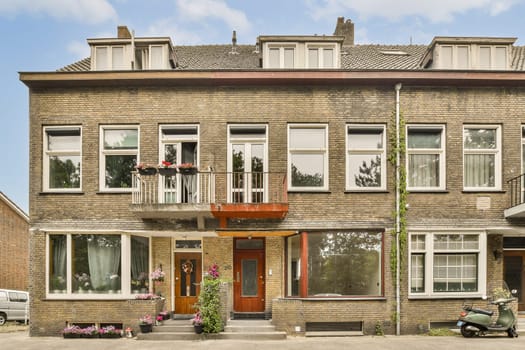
(214, 107)
(14, 249)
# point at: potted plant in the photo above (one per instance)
(90, 332)
(167, 168)
(146, 323)
(158, 275)
(110, 332)
(165, 315)
(72, 332)
(146, 169)
(197, 323)
(187, 169)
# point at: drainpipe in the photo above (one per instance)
(398, 219)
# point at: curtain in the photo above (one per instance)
(479, 170)
(104, 259)
(59, 256)
(423, 170)
(139, 258)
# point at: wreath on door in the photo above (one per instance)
(187, 267)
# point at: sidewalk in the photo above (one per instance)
(21, 341)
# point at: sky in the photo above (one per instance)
(45, 35)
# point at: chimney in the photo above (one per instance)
(123, 32)
(345, 29)
(234, 43)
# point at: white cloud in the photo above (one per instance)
(218, 9)
(88, 11)
(435, 11)
(78, 49)
(178, 35)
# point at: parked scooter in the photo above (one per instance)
(474, 321)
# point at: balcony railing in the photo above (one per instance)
(517, 197)
(223, 195)
(180, 188)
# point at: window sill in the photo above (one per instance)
(45, 193)
(483, 191)
(447, 296)
(367, 191)
(309, 191)
(342, 298)
(439, 191)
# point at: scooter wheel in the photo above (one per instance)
(511, 332)
(467, 333)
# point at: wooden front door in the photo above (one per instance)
(515, 274)
(249, 275)
(188, 272)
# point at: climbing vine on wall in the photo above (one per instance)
(402, 186)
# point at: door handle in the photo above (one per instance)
(238, 276)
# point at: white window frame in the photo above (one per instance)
(108, 65)
(441, 152)
(320, 57)
(314, 151)
(429, 253)
(163, 57)
(281, 47)
(248, 140)
(366, 151)
(497, 157)
(47, 154)
(103, 153)
(125, 256)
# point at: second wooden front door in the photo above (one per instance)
(188, 272)
(249, 276)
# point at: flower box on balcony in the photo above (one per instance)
(167, 171)
(147, 171)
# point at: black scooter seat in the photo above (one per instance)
(481, 311)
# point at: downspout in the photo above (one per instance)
(398, 218)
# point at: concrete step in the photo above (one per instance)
(234, 330)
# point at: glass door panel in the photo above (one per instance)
(249, 277)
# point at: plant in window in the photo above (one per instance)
(167, 168)
(83, 281)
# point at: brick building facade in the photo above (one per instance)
(14, 242)
(309, 242)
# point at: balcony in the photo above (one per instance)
(237, 195)
(517, 198)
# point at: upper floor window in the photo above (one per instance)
(281, 57)
(308, 157)
(492, 57)
(425, 157)
(366, 157)
(482, 157)
(156, 59)
(109, 58)
(442, 263)
(119, 147)
(321, 57)
(62, 158)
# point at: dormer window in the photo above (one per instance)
(321, 56)
(281, 56)
(109, 58)
(469, 53)
(300, 52)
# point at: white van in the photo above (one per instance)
(14, 306)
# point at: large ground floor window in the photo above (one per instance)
(443, 263)
(335, 263)
(97, 264)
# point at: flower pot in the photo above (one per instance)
(168, 171)
(71, 335)
(146, 328)
(198, 328)
(188, 171)
(147, 171)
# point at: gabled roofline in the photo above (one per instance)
(267, 77)
(13, 206)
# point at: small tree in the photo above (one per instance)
(209, 301)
